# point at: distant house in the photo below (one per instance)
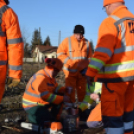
(41, 52)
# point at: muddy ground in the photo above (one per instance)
(11, 111)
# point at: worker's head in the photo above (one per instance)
(53, 65)
(111, 5)
(7, 1)
(78, 32)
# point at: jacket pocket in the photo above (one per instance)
(108, 102)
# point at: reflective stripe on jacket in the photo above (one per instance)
(41, 90)
(11, 44)
(71, 52)
(113, 57)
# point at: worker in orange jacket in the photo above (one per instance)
(112, 64)
(11, 47)
(42, 92)
(75, 53)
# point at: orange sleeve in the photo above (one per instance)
(107, 38)
(14, 44)
(40, 85)
(62, 53)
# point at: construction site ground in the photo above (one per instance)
(11, 111)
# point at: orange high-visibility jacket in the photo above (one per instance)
(114, 53)
(71, 53)
(41, 90)
(11, 44)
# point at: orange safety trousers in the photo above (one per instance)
(78, 83)
(117, 103)
(3, 70)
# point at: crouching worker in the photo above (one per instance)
(43, 98)
(89, 113)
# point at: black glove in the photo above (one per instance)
(83, 72)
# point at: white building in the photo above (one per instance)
(41, 52)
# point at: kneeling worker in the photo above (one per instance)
(43, 97)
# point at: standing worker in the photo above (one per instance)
(11, 47)
(113, 64)
(75, 52)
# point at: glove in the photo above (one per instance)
(12, 82)
(66, 98)
(83, 72)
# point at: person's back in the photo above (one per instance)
(112, 64)
(11, 47)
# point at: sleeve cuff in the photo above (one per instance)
(91, 72)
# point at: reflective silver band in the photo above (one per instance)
(44, 93)
(120, 67)
(3, 62)
(123, 30)
(15, 67)
(128, 125)
(60, 54)
(32, 94)
(65, 61)
(104, 50)
(78, 58)
(28, 103)
(14, 41)
(2, 33)
(2, 10)
(114, 130)
(96, 63)
(70, 47)
(70, 70)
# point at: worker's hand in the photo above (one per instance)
(82, 65)
(12, 82)
(66, 98)
(90, 80)
(94, 96)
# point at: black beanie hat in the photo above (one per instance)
(79, 29)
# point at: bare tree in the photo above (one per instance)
(25, 35)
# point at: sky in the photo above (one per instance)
(52, 16)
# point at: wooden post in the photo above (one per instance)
(38, 50)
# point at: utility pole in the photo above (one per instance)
(38, 49)
(59, 38)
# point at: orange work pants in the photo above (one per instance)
(117, 101)
(77, 82)
(3, 71)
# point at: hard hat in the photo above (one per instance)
(79, 29)
(107, 2)
(54, 63)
